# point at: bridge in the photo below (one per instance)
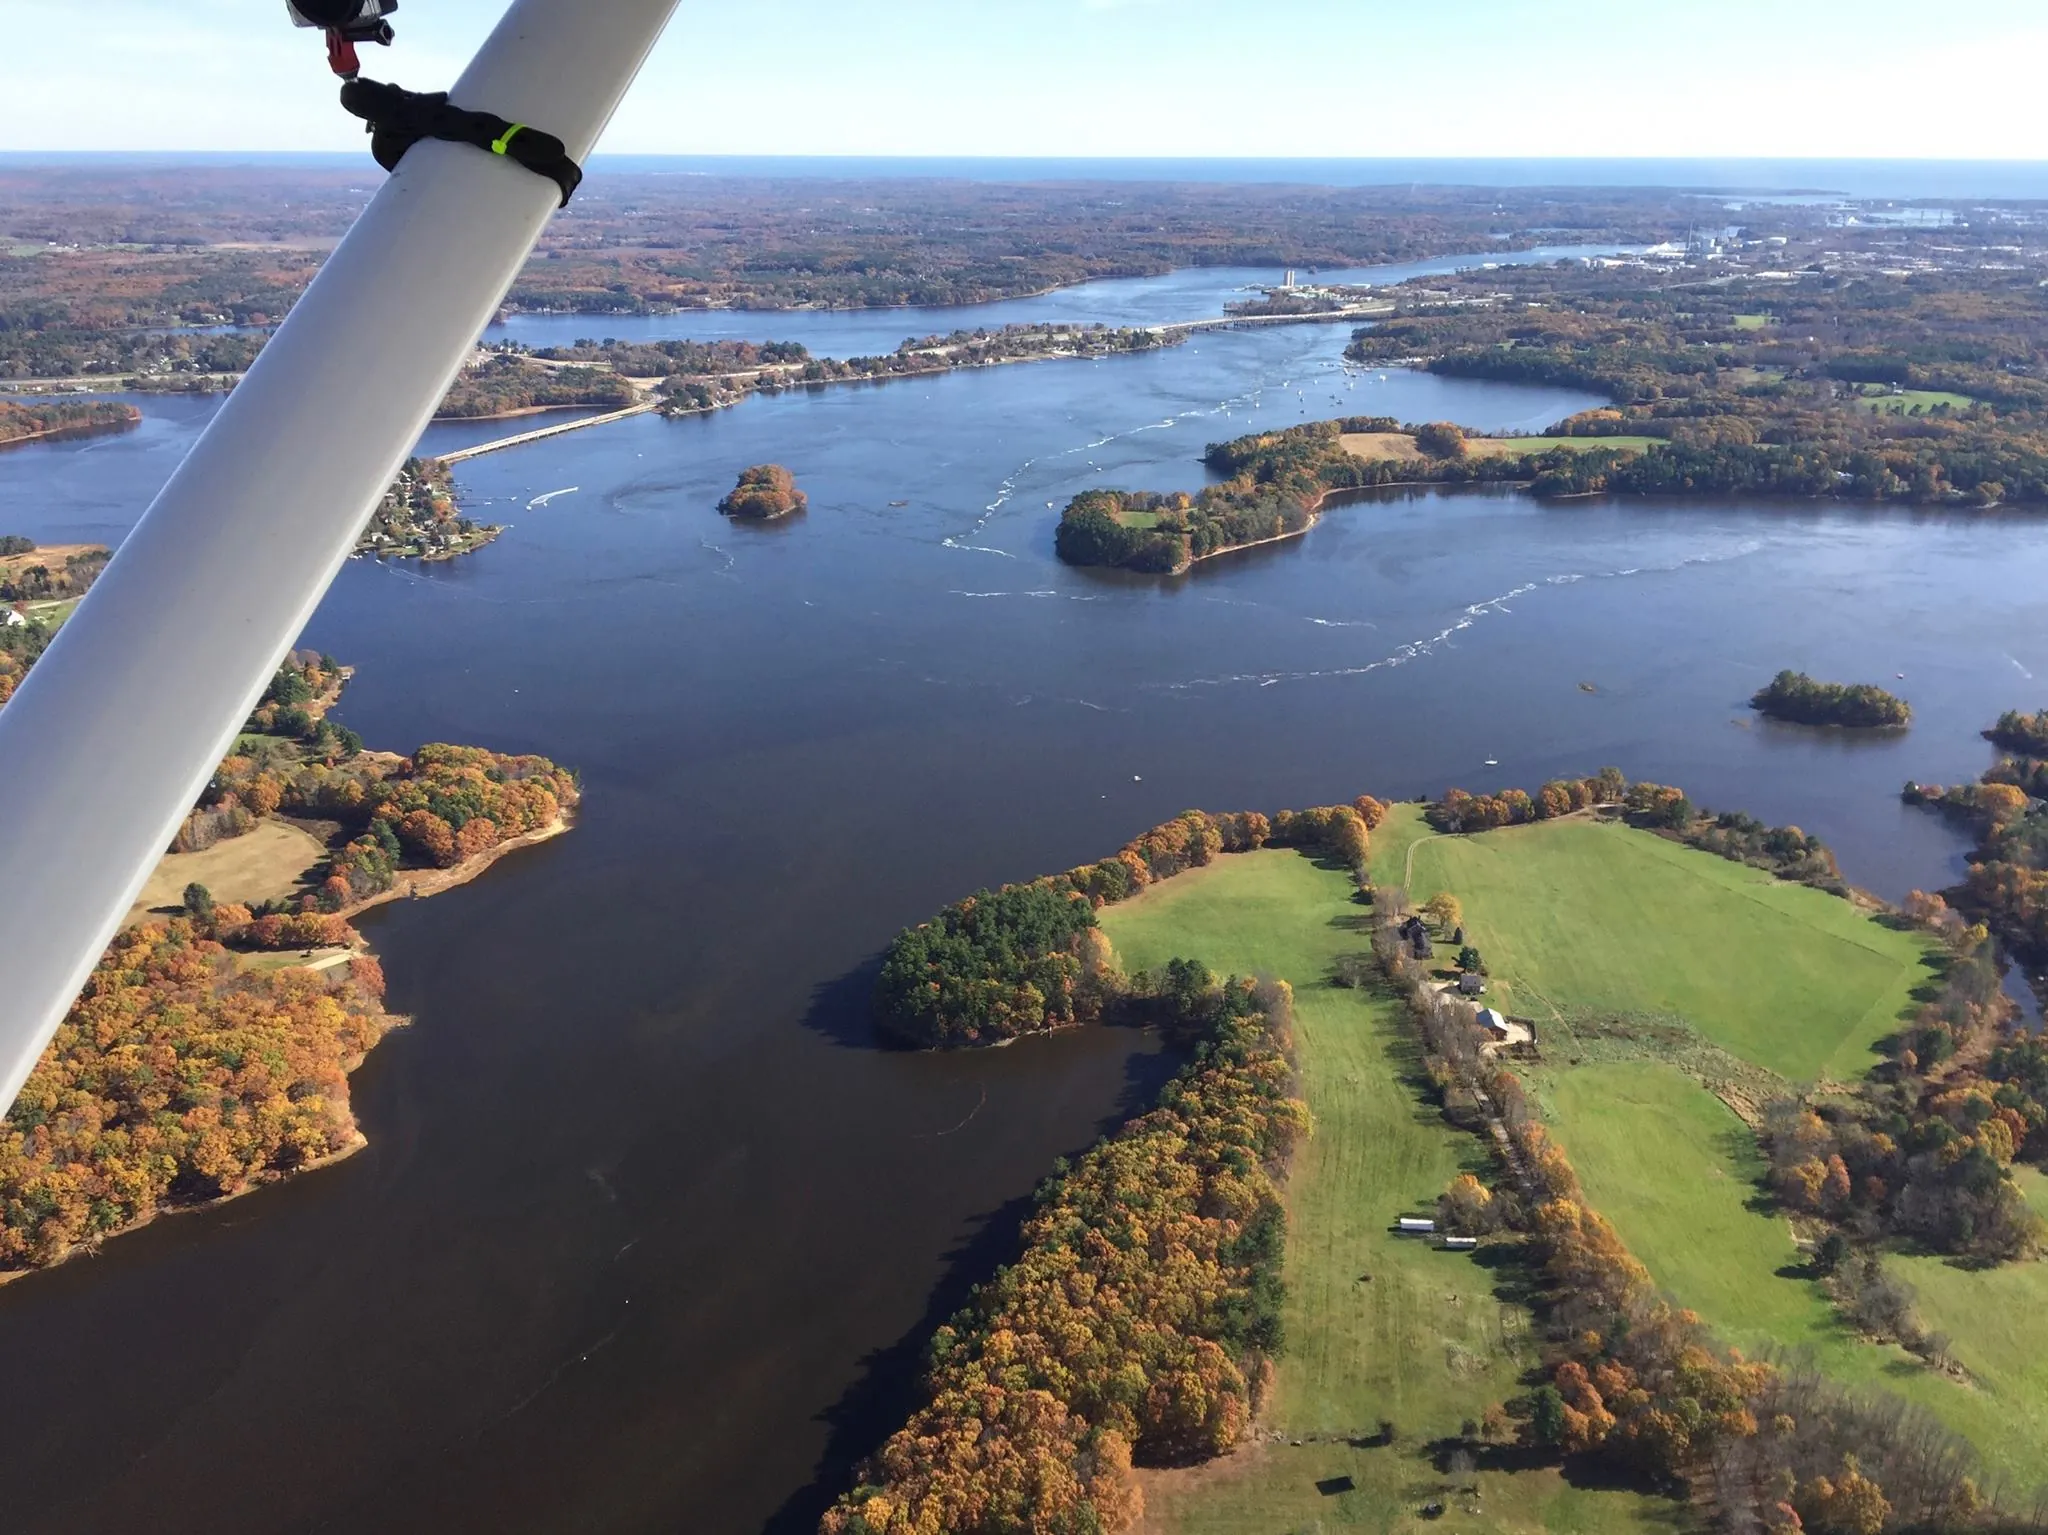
(462, 455)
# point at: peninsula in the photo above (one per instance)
(419, 519)
(251, 996)
(20, 423)
(1580, 1169)
(1277, 485)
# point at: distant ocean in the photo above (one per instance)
(1903, 180)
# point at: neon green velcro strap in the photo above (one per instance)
(504, 145)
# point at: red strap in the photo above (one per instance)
(341, 55)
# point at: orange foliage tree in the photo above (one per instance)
(1140, 1318)
(174, 1079)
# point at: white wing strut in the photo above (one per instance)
(115, 732)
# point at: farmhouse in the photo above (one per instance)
(1471, 984)
(1416, 935)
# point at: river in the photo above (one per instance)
(649, 1231)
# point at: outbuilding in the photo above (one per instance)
(1493, 1022)
(1415, 1226)
(1460, 1244)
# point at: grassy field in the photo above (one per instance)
(1878, 398)
(1753, 322)
(1476, 447)
(1676, 1173)
(1378, 1328)
(264, 865)
(1399, 445)
(1585, 915)
(1581, 914)
(1403, 828)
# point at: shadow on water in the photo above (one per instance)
(842, 1009)
(887, 1390)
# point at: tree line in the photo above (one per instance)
(1924, 1148)
(916, 356)
(1030, 958)
(1785, 851)
(1139, 1322)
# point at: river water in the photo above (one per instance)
(649, 1231)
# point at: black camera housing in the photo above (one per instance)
(360, 21)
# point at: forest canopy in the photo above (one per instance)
(175, 1079)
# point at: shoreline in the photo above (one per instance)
(258, 1181)
(83, 429)
(427, 884)
(524, 411)
(424, 884)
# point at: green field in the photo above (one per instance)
(1138, 519)
(1677, 1175)
(1424, 1341)
(1878, 398)
(1753, 322)
(1476, 447)
(1583, 914)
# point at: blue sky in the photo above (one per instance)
(1712, 78)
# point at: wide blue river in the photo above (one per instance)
(650, 1232)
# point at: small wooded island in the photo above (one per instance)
(1799, 700)
(765, 493)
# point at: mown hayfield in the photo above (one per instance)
(1476, 447)
(1876, 397)
(1584, 914)
(1378, 1328)
(1677, 1174)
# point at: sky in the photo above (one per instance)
(1959, 79)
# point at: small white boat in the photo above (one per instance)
(1493, 762)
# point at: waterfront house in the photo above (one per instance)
(10, 619)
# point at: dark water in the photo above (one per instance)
(649, 1232)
